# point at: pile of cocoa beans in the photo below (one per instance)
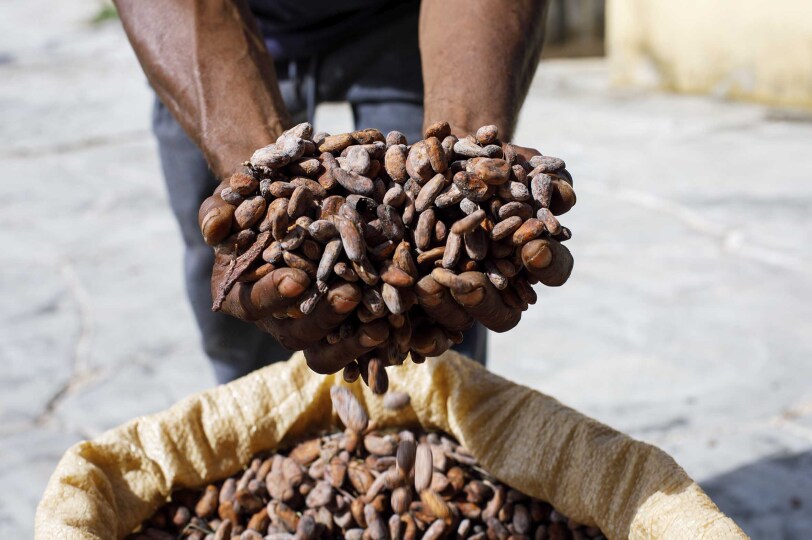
(371, 209)
(361, 484)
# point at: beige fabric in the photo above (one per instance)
(103, 488)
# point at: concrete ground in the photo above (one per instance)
(686, 322)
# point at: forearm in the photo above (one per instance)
(479, 57)
(207, 62)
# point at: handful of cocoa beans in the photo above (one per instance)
(426, 230)
(362, 484)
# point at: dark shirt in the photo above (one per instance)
(302, 28)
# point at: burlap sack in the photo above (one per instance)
(103, 488)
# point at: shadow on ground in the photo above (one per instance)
(770, 498)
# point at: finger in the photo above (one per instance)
(563, 198)
(430, 340)
(438, 304)
(474, 292)
(325, 358)
(215, 217)
(272, 292)
(547, 260)
(339, 301)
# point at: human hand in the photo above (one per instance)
(459, 299)
(270, 300)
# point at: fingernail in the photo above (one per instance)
(538, 256)
(290, 286)
(342, 305)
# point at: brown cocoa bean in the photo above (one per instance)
(366, 272)
(423, 467)
(403, 259)
(395, 196)
(294, 260)
(429, 192)
(491, 171)
(418, 163)
(541, 187)
(242, 184)
(487, 135)
(391, 222)
(424, 230)
(336, 143)
(249, 212)
(439, 129)
(353, 182)
(472, 187)
(208, 503)
(367, 136)
(395, 137)
(345, 272)
(358, 160)
(436, 153)
(530, 229)
(306, 166)
(513, 191)
(431, 255)
(476, 244)
(468, 147)
(469, 223)
(515, 208)
(451, 195)
(293, 239)
(394, 276)
(546, 164)
(436, 530)
(349, 410)
(506, 227)
(318, 191)
(395, 163)
(378, 380)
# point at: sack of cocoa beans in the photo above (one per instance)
(451, 451)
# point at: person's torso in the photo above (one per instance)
(300, 28)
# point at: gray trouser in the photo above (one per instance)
(382, 81)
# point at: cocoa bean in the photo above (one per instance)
(436, 153)
(249, 212)
(353, 182)
(491, 171)
(529, 230)
(242, 184)
(546, 164)
(515, 208)
(423, 467)
(377, 378)
(336, 143)
(487, 135)
(439, 129)
(429, 192)
(468, 147)
(425, 229)
(506, 227)
(469, 223)
(349, 410)
(395, 137)
(208, 503)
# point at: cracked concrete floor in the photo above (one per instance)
(686, 322)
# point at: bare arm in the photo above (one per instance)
(479, 57)
(207, 62)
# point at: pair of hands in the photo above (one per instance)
(457, 300)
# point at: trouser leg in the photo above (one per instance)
(234, 347)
